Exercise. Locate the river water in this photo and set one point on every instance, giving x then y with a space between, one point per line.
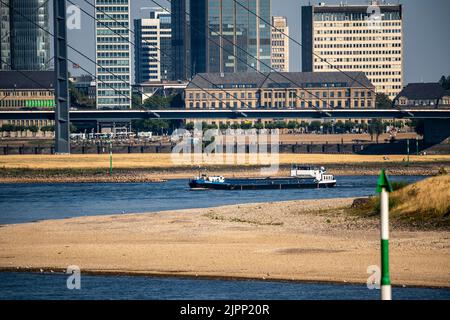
31 202
54 287
21 203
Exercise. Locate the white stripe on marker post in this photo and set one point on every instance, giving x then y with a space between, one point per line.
383 188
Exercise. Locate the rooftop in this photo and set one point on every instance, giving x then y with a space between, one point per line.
422 91
27 80
280 80
354 8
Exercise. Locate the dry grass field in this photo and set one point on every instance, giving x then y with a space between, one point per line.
429 198
142 161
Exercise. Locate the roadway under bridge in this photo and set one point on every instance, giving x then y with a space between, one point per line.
437 121
129 115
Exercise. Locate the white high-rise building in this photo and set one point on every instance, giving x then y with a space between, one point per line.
113 54
153 47
280 44
366 38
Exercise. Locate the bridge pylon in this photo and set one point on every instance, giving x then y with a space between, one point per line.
62 98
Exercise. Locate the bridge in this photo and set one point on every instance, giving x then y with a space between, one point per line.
129 115
437 121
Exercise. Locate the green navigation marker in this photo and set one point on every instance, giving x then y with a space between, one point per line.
383 182
384 187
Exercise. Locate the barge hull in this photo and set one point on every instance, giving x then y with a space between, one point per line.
266 186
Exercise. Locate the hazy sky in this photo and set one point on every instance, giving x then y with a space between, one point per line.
427 37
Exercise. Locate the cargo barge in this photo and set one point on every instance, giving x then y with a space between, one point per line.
302 177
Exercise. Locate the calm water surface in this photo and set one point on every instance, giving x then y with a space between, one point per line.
30 202
53 287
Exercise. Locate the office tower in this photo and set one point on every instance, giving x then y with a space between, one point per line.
367 38
181 39
153 47
113 54
280 44
5 46
25 45
222 36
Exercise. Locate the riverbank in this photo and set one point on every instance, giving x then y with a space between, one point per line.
160 167
311 240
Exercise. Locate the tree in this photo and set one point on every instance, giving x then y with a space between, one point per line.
315 126
21 129
153 125
136 101
176 101
292 125
280 125
270 125
157 102
348 126
79 99
383 101
445 82
73 128
258 126
418 125
375 128
8 128
224 126
189 126
33 129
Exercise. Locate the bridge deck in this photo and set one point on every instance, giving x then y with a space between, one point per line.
127 115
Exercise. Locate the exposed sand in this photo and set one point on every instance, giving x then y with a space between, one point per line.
288 240
155 160
157 167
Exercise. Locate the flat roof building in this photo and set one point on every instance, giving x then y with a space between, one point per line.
27 90
113 54
153 47
220 36
366 38
290 90
280 44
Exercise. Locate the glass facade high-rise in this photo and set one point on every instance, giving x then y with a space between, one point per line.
153 47
25 45
181 39
225 37
113 54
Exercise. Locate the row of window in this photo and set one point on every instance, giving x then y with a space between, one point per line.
281 105
356 24
356 45
353 31
39 123
13 93
279 95
359 53
27 103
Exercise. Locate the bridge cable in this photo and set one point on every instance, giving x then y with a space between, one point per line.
266 75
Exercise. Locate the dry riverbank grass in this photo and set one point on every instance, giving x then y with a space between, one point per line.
424 204
427 199
140 161
311 240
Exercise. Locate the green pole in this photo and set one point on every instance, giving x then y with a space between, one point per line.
384 187
407 149
417 146
110 160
